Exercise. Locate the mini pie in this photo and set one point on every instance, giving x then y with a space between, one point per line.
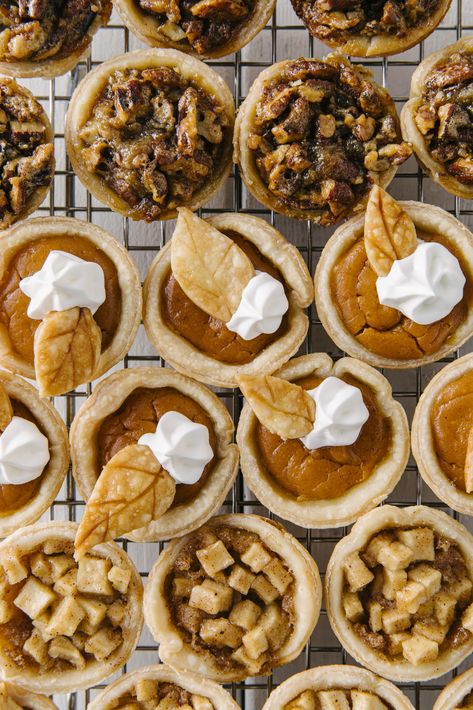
47 39
192 339
437 120
149 131
23 504
205 28
65 625
15 698
399 592
337 688
313 135
347 300
161 686
235 599
333 485
37 348
457 694
365 29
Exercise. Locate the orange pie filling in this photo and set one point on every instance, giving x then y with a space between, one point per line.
148 693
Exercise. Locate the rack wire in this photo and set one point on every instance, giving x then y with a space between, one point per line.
284 37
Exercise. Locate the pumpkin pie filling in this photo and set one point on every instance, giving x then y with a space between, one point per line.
151 693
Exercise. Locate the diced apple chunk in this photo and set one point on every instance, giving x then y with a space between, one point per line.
94 610
60 564
370 555
120 578
264 589
395 620
41 568
333 700
255 642
275 624
116 612
65 618
395 642
467 618
92 576
444 605
362 700
146 690
375 612
461 589
411 597
221 633
430 630
6 611
240 579
278 575
420 541
429 577
14 568
352 606
41 623
305 701
211 597
395 556
215 558
53 546
62 647
393 581
34 598
66 585
256 557
200 703
357 573
37 648
103 643
418 650
253 665
182 587
245 613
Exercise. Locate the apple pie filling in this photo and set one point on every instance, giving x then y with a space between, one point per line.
150 694
337 699
466 703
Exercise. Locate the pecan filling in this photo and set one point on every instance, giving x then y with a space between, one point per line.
336 699
323 134
445 115
35 30
154 138
232 597
148 694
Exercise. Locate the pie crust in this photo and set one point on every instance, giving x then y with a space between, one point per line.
195 684
107 397
57 536
358 499
56 468
429 218
183 355
434 168
89 91
391 517
129 281
454 693
26 699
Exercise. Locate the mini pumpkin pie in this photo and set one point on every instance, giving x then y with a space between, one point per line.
162 438
46 39
70 302
321 442
65 624
237 598
337 688
34 453
457 694
12 697
226 296
395 287
399 592
365 29
313 135
437 118
205 28
151 131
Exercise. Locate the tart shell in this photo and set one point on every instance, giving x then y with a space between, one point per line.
25 698
454 692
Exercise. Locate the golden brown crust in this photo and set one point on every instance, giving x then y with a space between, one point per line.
30 700
454 692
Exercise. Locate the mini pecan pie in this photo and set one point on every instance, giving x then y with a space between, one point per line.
363 28
65 624
399 592
312 137
237 598
190 324
46 39
457 694
324 484
150 131
12 697
205 28
437 119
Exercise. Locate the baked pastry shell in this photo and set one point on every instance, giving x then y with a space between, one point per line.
107 397
455 691
30 700
389 516
56 468
128 277
23 541
91 87
435 169
183 355
344 510
426 217
307 598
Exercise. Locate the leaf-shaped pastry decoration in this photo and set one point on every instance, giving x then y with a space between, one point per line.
390 233
132 490
67 347
6 410
469 463
210 268
281 406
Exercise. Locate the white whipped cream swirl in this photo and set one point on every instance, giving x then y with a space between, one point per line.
424 286
181 446
64 281
24 452
340 413
262 307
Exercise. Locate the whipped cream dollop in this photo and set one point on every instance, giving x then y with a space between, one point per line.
181 446
424 286
340 413
64 281
262 307
24 452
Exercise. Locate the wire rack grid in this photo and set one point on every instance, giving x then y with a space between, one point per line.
284 37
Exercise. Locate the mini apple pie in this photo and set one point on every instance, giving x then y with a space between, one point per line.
12 697
399 592
313 135
395 287
321 443
151 131
458 694
437 118
237 598
70 302
65 624
226 296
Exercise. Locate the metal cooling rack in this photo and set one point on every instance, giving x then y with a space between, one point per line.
284 37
